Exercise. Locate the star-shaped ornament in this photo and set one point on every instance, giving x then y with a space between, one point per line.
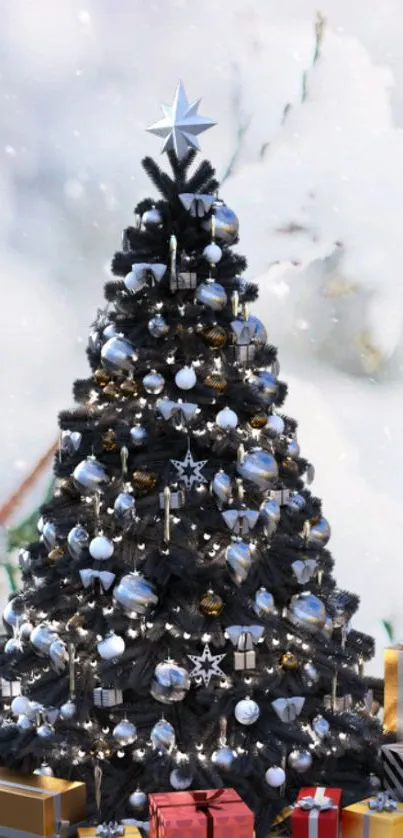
181 124
206 666
189 470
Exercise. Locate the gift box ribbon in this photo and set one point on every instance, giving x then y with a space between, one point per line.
383 802
206 801
315 805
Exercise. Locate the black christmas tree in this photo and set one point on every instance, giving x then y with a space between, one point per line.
178 624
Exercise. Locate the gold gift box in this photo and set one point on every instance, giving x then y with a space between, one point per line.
393 690
91 832
34 805
361 822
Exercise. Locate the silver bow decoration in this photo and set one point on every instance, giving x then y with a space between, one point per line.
110 830
106 577
144 272
168 409
240 520
383 802
288 709
70 441
304 570
244 330
310 803
239 635
197 204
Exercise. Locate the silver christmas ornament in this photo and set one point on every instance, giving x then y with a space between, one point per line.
138 799
163 736
90 475
24 560
300 761
247 711
319 533
112 646
50 714
213 253
109 331
138 436
45 731
239 559
223 758
77 541
179 780
101 548
307 611
270 512
275 425
181 124
13 613
170 682
12 646
24 724
226 419
124 506
185 379
320 726
327 629
158 326
58 655
151 218
222 487
263 603
34 710
68 710
135 594
226 223
310 672
259 467
44 770
153 383
296 502
265 383
42 637
39 525
212 295
118 355
20 705
292 449
49 534
70 442
125 733
275 776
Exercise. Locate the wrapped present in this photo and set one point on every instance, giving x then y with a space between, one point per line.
392 758
36 806
9 689
107 697
375 817
109 830
203 814
317 813
393 691
244 639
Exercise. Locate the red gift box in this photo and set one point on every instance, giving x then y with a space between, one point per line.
317 813
203 814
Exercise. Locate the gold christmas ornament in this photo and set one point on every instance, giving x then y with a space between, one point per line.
111 391
214 336
102 377
144 481
75 622
68 487
216 381
129 387
211 604
55 554
290 466
258 421
109 441
289 661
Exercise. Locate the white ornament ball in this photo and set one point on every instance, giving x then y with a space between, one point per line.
68 710
101 548
275 776
20 705
44 771
185 378
138 799
275 425
226 418
180 781
300 761
212 253
112 646
247 711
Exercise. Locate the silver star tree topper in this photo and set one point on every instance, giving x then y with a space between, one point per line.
181 124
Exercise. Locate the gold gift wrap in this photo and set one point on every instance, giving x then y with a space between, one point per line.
91 832
393 691
32 805
361 822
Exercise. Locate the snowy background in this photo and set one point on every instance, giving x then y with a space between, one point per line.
312 157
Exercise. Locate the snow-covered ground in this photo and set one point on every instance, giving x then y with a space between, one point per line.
318 188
